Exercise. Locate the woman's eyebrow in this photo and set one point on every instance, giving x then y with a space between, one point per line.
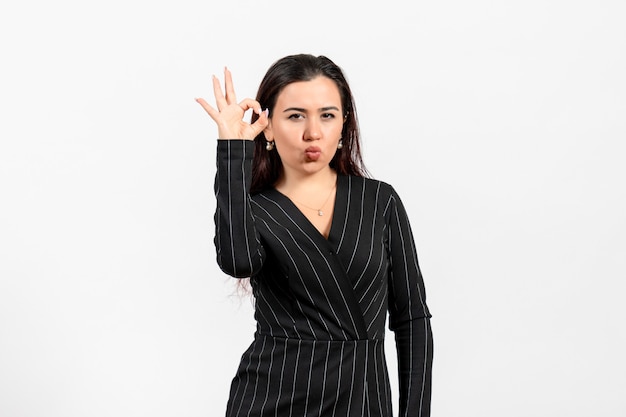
323 109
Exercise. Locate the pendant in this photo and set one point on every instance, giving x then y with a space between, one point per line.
320 213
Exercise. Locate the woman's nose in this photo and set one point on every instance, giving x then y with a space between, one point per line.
313 131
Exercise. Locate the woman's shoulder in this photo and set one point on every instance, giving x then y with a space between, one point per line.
370 186
368 181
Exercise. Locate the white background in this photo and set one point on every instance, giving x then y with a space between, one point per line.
501 124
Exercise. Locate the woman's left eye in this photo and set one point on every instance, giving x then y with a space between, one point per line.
328 116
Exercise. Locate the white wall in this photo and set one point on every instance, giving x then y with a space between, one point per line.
501 124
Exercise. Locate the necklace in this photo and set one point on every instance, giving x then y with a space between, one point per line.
320 212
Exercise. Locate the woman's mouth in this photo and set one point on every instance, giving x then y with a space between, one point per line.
313 153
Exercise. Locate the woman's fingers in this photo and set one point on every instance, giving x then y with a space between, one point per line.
207 107
229 114
231 97
230 121
257 127
220 100
248 103
228 96
261 123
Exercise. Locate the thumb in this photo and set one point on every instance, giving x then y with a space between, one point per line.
261 123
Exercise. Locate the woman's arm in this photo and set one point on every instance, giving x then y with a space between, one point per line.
239 249
409 315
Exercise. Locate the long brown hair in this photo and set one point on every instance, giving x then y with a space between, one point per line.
266 165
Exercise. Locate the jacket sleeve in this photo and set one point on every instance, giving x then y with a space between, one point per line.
237 242
409 316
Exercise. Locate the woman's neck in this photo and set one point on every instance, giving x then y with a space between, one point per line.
295 184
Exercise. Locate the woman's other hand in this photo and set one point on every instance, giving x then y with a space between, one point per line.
229 113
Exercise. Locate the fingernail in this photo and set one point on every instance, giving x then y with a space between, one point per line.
258 111
267 112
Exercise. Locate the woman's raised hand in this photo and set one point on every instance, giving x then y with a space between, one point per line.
229 113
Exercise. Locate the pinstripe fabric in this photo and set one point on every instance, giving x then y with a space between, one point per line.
321 304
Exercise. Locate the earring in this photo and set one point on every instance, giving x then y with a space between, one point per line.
269 145
340 144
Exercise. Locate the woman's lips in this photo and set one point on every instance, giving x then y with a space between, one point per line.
313 153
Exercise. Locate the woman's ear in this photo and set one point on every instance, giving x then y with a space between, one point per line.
267 132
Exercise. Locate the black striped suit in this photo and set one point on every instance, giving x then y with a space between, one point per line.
321 304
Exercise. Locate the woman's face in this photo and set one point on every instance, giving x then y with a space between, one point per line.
306 125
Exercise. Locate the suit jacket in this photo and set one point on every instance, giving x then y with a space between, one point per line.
321 303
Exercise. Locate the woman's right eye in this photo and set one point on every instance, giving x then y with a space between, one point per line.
295 116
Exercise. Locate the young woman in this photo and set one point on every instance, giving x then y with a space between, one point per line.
328 252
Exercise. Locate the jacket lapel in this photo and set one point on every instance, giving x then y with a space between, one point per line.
345 300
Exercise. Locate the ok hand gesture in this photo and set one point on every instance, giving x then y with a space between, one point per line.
229 113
